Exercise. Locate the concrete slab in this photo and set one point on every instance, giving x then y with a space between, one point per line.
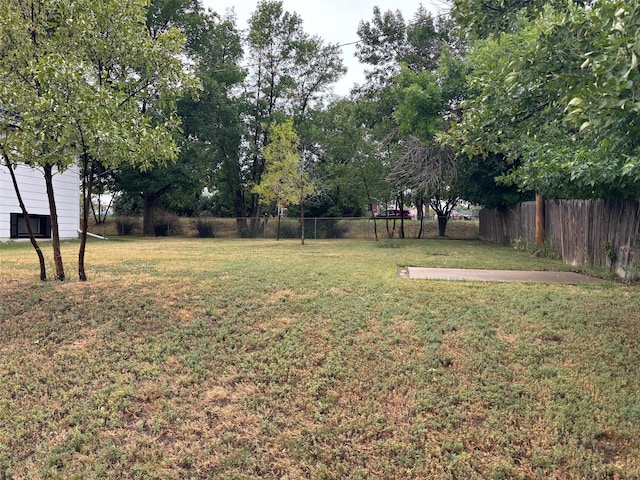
477 275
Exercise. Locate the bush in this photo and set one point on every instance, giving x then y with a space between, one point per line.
205 227
545 250
325 228
127 225
167 223
288 228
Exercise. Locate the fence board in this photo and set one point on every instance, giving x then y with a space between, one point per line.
585 232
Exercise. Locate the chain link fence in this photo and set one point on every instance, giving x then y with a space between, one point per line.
269 227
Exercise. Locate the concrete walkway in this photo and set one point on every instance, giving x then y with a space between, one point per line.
475 275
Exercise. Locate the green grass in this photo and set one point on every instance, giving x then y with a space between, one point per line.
248 359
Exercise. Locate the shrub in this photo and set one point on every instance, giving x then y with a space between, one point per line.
545 250
205 227
167 223
127 225
325 228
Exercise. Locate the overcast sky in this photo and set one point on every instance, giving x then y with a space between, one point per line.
336 21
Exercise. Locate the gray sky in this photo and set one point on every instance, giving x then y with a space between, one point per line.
336 21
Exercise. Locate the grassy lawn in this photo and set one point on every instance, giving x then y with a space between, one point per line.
249 359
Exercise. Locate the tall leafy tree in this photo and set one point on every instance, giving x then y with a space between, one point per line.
75 74
289 71
210 118
427 106
556 98
404 91
352 176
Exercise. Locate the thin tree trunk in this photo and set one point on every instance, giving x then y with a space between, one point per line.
302 214
87 185
55 232
421 210
279 217
401 208
25 214
370 200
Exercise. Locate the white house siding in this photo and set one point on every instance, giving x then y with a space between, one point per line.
66 187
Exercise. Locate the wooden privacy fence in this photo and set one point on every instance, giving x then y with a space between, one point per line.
585 232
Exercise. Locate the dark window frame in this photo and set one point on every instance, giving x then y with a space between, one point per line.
42 224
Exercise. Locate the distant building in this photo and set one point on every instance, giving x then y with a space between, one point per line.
34 194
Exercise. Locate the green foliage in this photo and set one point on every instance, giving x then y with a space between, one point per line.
284 178
84 82
544 250
290 73
127 205
414 88
326 228
486 18
87 92
555 96
388 41
477 182
352 173
210 136
609 252
422 104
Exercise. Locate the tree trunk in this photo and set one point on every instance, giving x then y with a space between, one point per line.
87 186
401 208
420 208
302 215
391 233
149 210
25 214
55 232
148 214
240 212
278 232
442 224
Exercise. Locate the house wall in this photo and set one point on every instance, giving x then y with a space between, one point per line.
34 194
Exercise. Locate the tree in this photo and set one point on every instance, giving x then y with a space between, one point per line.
213 122
402 88
486 18
431 171
388 41
285 180
428 103
352 177
209 117
556 98
25 214
289 71
75 73
604 105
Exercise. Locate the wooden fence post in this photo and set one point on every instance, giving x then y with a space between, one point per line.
539 219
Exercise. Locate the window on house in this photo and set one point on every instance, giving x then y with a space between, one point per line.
40 224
